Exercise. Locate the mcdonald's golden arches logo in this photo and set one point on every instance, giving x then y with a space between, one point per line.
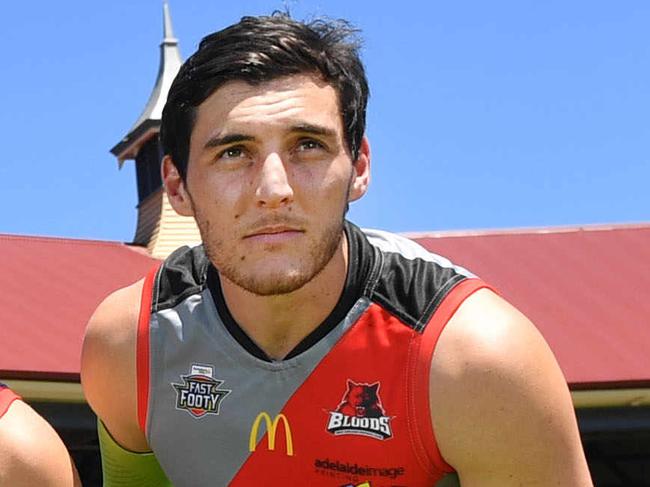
271 429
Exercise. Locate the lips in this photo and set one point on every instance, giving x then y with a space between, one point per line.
272 230
274 234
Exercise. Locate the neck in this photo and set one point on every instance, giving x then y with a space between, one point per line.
277 324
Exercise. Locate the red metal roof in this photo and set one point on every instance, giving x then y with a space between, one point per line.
587 290
49 287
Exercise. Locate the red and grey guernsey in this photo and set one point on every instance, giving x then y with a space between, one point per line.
349 406
7 396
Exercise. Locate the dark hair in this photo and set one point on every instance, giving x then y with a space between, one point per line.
259 49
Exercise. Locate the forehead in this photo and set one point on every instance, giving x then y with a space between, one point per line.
280 102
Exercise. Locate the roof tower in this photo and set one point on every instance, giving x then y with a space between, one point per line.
159 228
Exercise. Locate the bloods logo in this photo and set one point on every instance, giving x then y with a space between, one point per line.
360 413
199 394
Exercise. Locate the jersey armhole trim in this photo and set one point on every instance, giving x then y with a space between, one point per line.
142 348
421 374
7 397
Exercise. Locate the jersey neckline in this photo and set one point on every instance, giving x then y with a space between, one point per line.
360 262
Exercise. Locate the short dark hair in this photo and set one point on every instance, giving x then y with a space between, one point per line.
259 49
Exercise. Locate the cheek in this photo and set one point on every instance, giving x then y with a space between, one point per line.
329 183
217 193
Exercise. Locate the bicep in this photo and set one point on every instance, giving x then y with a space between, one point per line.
108 366
502 410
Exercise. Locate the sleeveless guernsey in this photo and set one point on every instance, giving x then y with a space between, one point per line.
348 407
7 396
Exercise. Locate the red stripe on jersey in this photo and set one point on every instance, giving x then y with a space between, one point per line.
421 368
334 440
142 348
7 396
392 442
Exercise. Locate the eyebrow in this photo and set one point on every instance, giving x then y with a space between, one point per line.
313 129
308 128
217 141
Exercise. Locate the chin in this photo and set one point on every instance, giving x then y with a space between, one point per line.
275 273
273 284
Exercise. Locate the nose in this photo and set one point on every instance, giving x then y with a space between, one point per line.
273 188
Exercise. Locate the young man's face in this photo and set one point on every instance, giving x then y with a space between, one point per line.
268 181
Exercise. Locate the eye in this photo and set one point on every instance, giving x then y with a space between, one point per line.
235 152
308 145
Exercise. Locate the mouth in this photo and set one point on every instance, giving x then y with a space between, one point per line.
274 234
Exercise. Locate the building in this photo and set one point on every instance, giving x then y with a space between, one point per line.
589 299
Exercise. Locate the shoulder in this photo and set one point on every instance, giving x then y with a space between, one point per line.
183 273
486 334
410 281
408 249
114 321
31 453
108 363
496 387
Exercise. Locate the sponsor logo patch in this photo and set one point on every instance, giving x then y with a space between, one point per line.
200 392
271 429
360 413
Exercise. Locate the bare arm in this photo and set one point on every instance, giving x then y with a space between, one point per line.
108 366
500 405
31 452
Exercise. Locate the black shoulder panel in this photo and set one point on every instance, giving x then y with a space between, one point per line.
403 277
412 289
182 274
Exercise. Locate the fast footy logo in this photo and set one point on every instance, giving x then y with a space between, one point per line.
360 413
200 392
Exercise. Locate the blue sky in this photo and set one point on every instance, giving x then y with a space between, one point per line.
494 114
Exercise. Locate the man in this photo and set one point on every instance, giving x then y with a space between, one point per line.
292 348
31 453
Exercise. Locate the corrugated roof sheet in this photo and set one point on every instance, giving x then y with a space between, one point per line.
587 290
49 287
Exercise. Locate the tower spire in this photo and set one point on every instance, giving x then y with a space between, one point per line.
159 228
148 122
168 30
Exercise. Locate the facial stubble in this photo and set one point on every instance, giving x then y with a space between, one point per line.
320 251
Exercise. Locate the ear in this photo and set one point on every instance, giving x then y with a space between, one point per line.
361 172
374 387
350 384
177 194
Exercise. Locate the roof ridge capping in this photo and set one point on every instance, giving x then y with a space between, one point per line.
49 239
595 227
